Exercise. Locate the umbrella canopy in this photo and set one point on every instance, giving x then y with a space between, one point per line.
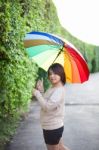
45 49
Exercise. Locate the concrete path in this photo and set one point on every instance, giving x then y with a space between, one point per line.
81 120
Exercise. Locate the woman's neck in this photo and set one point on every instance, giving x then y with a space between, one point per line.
57 84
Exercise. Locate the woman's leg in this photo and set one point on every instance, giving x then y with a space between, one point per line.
53 147
62 146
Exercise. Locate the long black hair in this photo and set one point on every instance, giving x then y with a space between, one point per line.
59 70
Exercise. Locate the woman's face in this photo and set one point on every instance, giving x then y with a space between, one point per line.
54 78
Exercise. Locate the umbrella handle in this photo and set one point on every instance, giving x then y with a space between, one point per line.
58 55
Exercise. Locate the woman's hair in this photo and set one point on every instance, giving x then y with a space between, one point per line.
59 70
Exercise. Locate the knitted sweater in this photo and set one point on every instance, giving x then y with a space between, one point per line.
52 107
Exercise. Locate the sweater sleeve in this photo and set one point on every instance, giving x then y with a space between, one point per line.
53 102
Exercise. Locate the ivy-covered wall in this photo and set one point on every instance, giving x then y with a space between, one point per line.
17 73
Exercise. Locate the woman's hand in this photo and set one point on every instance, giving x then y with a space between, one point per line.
35 91
39 85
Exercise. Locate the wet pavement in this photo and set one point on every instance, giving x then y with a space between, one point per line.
81 120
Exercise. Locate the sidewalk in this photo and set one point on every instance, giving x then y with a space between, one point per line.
81 121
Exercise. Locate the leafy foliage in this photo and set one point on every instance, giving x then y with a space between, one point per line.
7 127
16 71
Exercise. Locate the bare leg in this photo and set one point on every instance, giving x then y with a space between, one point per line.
62 146
53 147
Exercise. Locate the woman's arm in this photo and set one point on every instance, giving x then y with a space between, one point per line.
52 103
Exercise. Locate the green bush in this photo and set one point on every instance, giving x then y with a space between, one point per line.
17 72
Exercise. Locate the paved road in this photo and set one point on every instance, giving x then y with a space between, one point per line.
81 120
86 93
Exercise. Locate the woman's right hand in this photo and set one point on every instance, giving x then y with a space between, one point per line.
39 85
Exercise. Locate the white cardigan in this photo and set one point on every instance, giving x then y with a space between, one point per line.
52 107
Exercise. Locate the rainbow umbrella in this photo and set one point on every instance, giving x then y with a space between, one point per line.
45 49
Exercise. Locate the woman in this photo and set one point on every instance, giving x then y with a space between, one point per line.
52 107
